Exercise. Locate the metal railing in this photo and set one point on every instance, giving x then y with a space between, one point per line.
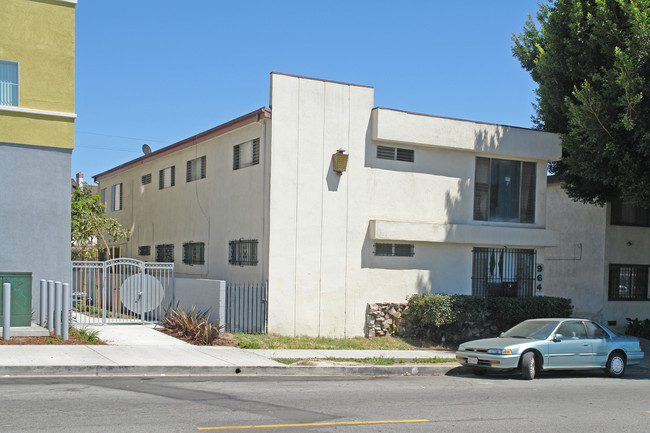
247 308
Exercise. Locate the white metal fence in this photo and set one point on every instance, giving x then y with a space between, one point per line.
121 291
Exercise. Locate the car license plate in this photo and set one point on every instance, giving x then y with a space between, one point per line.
472 360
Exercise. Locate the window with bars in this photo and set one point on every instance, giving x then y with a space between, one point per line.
503 272
395 153
628 283
246 154
195 169
165 253
146 179
194 253
166 177
629 215
243 252
116 197
144 250
394 250
9 83
504 190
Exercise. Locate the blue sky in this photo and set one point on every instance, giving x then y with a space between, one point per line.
159 71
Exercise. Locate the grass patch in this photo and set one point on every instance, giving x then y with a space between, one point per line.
274 341
371 361
82 334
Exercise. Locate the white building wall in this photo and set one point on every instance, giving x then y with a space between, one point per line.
322 227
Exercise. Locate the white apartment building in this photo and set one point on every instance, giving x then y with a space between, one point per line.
425 204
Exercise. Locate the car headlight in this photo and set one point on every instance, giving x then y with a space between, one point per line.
461 348
499 351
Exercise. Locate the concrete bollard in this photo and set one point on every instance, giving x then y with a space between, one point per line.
58 299
43 314
6 311
50 305
67 305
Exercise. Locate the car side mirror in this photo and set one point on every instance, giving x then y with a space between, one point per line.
558 337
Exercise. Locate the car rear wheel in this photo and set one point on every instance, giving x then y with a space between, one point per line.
528 365
615 365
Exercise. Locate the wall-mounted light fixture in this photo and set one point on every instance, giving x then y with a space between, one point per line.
339 162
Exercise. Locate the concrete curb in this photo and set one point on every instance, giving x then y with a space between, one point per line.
118 370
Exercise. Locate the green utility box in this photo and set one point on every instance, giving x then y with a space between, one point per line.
21 297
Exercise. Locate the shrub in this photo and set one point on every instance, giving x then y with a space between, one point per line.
193 326
459 316
638 328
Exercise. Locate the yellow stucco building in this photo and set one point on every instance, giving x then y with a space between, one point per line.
37 117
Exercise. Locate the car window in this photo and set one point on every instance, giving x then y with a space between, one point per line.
533 329
595 331
572 329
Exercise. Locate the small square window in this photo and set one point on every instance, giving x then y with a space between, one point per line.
243 252
166 177
194 253
165 253
195 169
146 179
246 154
144 250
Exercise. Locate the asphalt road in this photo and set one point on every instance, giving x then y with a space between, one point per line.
559 402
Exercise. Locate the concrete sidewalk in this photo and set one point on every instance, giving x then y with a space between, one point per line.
142 350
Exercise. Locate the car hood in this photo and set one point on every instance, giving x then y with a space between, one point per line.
495 343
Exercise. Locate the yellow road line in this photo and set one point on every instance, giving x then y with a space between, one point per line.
313 424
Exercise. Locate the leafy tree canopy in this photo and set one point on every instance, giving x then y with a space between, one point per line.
89 223
590 61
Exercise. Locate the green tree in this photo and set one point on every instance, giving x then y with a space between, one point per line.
90 223
590 61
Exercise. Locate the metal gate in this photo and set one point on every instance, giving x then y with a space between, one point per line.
121 291
246 308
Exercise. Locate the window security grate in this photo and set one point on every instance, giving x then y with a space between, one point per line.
165 253
144 250
243 252
628 283
503 272
146 179
194 253
395 250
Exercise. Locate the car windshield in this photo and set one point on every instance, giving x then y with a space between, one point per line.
533 329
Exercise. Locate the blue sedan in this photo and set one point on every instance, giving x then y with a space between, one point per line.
552 344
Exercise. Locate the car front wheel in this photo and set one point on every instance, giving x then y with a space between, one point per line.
528 366
615 365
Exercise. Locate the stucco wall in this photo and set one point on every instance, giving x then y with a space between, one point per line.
227 205
322 268
35 213
576 268
39 35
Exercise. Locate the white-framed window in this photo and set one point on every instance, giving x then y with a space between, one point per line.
395 153
504 190
166 177
195 169
394 250
246 154
116 197
9 90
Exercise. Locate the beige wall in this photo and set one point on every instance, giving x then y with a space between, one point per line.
227 205
578 268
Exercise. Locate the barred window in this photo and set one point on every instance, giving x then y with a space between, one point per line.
194 253
146 179
503 272
395 250
243 252
165 253
628 283
166 177
195 169
246 154
144 250
395 153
